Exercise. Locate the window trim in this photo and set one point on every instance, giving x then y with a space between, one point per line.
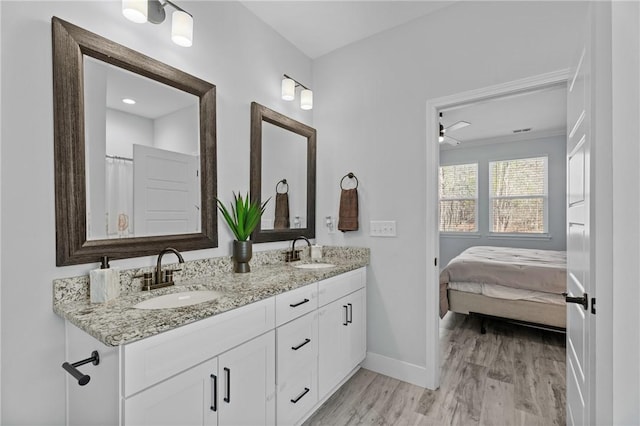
476 229
545 199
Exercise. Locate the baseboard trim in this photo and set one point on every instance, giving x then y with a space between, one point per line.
401 370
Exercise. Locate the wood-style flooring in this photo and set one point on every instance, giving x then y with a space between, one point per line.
512 375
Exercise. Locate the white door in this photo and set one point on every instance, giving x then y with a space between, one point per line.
187 399
580 285
247 383
166 192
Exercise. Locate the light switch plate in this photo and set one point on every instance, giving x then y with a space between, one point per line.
382 228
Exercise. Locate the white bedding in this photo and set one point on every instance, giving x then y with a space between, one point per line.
509 293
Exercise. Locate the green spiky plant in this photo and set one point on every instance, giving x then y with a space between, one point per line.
244 215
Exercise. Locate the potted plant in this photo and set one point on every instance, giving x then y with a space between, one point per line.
242 220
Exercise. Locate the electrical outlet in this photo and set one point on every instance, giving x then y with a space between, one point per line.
382 228
330 224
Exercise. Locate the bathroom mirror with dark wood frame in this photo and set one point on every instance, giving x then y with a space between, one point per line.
259 145
71 45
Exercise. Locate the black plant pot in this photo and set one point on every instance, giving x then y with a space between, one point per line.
242 253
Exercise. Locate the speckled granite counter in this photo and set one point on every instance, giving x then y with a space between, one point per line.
117 322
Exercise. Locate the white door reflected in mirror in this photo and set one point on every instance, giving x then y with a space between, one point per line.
142 155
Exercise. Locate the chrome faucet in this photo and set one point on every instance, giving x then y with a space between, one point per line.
166 279
293 255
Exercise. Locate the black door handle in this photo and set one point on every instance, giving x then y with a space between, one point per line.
214 393
295 348
295 305
350 320
227 398
584 300
346 315
306 390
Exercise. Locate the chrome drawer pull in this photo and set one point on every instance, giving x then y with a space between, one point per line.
306 390
295 348
295 305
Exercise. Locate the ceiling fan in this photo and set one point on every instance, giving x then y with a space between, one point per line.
443 137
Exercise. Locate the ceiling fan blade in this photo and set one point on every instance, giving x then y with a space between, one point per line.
457 126
450 141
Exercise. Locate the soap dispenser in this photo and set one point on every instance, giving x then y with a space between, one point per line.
104 283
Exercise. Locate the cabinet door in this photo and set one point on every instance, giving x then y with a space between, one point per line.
357 306
334 347
187 399
247 383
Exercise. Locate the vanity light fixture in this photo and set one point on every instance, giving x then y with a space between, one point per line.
141 11
289 92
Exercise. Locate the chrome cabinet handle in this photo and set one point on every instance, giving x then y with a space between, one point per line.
295 348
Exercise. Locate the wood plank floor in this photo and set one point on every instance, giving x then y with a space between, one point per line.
512 375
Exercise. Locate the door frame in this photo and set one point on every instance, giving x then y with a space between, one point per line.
432 241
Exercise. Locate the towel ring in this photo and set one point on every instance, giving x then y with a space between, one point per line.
284 182
350 176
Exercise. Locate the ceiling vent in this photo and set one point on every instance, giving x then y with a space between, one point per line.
528 129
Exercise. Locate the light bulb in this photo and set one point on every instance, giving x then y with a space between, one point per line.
288 89
135 10
182 28
306 99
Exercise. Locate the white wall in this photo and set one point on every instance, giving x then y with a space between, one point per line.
370 103
626 212
123 130
555 149
232 49
178 131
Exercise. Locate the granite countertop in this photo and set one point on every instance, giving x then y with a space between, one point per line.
117 322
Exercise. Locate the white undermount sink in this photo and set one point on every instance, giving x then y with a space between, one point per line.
177 300
314 265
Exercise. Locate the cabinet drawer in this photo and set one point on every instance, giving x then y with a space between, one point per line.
297 396
156 358
336 287
297 345
295 303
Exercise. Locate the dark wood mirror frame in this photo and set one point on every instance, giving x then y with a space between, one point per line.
70 43
259 114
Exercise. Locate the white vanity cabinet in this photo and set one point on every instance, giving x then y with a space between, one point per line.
235 388
270 362
342 328
175 378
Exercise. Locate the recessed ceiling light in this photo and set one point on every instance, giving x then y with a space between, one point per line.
129 101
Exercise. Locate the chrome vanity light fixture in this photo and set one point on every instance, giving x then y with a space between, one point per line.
141 11
289 92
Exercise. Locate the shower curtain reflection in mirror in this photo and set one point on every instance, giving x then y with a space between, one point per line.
119 200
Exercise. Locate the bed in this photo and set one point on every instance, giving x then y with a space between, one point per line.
517 284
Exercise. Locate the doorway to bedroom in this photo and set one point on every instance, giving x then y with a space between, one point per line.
501 195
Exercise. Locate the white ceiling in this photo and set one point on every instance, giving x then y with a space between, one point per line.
544 111
319 27
153 99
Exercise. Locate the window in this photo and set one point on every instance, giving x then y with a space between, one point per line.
518 195
458 190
